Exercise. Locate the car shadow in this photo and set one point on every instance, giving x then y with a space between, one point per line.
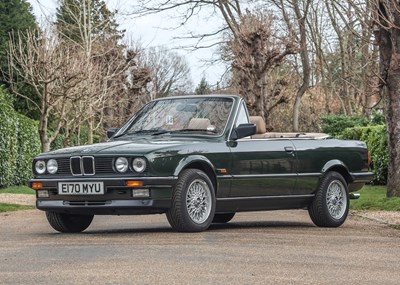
228 227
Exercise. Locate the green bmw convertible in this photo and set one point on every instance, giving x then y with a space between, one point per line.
199 160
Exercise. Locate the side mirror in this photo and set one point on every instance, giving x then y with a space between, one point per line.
111 132
243 130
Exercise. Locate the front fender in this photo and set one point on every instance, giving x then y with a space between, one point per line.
192 159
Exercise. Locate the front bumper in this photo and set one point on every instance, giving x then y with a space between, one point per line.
117 199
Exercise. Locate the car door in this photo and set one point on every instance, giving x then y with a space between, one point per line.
263 167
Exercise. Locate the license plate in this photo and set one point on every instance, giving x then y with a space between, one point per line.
80 188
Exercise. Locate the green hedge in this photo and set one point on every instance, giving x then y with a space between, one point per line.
376 139
19 143
336 124
8 141
28 147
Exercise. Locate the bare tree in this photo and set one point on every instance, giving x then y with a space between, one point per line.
255 49
250 39
54 71
170 73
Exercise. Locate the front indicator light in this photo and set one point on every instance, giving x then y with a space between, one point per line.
37 185
134 183
140 193
42 194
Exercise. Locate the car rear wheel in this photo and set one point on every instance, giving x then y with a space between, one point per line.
330 206
223 218
193 202
68 223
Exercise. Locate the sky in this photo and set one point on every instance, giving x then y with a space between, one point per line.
155 30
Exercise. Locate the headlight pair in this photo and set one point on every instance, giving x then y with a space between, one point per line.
138 164
51 166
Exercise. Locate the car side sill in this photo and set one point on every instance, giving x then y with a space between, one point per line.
260 203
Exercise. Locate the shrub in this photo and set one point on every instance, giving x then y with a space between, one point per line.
336 124
28 147
8 141
376 139
19 143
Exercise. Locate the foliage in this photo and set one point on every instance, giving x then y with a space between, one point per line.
376 139
19 143
61 141
336 124
28 147
15 15
374 198
8 141
203 87
73 24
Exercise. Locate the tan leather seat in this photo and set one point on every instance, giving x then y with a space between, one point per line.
260 125
199 123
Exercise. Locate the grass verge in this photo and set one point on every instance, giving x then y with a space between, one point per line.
12 207
374 198
18 190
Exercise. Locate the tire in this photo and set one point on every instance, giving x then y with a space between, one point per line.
193 202
68 223
330 206
223 218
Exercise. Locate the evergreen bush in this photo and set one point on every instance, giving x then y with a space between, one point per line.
376 139
8 141
19 143
336 124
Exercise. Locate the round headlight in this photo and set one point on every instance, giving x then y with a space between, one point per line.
139 164
121 164
40 167
52 166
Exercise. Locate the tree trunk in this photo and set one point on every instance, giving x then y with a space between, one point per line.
393 126
388 39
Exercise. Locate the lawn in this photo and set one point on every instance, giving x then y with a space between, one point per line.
11 207
374 198
18 190
4 207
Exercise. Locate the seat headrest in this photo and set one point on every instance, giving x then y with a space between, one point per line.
260 124
199 123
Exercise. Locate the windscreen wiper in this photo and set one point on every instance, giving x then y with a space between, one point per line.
150 131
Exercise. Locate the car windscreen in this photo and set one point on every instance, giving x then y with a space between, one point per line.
183 115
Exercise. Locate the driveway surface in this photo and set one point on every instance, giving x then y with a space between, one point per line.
280 247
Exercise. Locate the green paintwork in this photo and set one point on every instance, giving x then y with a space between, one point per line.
286 167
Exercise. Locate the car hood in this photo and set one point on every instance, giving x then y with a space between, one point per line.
139 146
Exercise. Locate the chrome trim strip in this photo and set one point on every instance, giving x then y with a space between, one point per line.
316 174
172 178
265 197
249 176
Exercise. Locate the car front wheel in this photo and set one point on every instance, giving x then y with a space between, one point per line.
68 223
193 202
331 202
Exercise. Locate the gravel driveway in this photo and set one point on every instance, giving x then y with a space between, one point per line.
277 247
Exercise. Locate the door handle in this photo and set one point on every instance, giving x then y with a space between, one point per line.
289 149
